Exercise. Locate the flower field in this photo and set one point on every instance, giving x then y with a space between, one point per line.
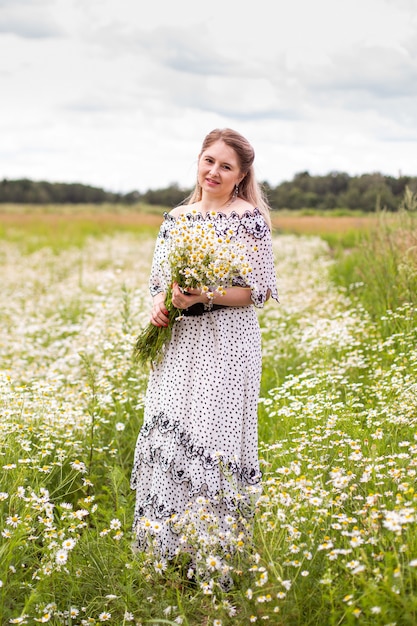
335 538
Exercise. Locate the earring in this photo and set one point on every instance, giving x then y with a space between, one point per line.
236 191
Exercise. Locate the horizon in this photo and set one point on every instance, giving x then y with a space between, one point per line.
182 188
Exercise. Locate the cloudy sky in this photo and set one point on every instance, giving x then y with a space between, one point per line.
120 93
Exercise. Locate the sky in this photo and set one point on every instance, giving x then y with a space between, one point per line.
119 94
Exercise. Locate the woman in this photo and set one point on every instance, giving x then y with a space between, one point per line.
196 471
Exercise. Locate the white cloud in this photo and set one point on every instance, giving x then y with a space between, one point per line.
28 19
110 94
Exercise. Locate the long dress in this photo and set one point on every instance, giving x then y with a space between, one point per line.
196 470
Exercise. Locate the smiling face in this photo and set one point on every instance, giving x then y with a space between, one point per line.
219 170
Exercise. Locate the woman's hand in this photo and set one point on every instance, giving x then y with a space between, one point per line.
159 313
183 299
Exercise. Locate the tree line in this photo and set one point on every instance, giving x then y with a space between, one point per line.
338 190
335 190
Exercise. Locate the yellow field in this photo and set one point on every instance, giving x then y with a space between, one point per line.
57 219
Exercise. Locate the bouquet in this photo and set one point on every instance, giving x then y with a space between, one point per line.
197 258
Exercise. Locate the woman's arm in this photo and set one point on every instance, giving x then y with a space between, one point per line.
234 296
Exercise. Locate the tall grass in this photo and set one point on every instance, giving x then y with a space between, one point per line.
380 271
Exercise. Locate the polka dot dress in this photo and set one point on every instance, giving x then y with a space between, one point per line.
199 436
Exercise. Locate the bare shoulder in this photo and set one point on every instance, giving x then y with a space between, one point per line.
184 208
241 207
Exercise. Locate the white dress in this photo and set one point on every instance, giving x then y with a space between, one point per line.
198 446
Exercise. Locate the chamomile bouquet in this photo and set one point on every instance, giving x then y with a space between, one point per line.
197 258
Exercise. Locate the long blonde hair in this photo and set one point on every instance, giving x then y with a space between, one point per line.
249 188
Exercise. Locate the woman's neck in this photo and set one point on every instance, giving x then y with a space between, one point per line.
210 204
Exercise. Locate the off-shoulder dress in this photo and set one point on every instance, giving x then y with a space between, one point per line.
198 445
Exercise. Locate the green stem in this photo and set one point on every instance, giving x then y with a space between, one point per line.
151 341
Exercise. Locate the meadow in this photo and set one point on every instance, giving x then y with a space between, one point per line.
335 537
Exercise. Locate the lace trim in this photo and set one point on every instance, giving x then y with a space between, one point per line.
154 508
159 509
251 221
155 289
193 450
166 532
216 214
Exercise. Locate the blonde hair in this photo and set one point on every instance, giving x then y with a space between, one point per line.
249 188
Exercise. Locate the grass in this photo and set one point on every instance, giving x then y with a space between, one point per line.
71 210
317 224
380 271
335 533
60 227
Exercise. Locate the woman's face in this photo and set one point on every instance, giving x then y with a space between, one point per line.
219 169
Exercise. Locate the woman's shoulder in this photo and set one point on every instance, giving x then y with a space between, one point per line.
183 209
241 207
